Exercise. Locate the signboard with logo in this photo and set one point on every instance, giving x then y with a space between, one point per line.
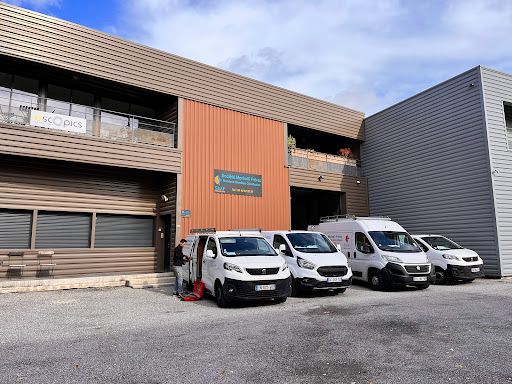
185 213
56 121
236 183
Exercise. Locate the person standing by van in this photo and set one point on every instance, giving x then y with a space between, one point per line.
178 261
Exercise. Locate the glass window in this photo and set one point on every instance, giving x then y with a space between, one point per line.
212 246
25 85
278 240
423 247
245 246
115 105
15 229
139 110
124 231
362 243
63 230
59 93
311 243
82 98
394 241
440 243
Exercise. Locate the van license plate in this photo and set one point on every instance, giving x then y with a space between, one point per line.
475 269
268 287
334 279
419 278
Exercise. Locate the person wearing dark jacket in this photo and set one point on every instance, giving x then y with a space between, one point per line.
177 264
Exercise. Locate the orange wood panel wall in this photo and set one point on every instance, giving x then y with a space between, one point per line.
217 138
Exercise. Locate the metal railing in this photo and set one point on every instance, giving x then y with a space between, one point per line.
17 107
304 158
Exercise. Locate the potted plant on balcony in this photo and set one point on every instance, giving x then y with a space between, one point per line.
345 154
292 144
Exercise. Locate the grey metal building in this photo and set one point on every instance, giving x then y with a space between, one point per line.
440 162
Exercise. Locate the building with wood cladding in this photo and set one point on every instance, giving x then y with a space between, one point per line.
111 151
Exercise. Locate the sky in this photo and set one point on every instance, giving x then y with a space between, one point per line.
364 55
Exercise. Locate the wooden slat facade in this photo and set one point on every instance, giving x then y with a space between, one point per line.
49 185
53 144
32 36
357 193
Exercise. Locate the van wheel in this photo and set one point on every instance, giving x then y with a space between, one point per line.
441 277
375 279
423 286
219 296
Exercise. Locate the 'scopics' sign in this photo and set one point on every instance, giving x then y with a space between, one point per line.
56 121
236 183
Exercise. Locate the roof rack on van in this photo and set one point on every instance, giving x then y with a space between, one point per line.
326 219
202 230
246 229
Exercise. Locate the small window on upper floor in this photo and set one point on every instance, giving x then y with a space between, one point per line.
508 122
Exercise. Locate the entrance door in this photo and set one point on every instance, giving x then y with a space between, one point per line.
308 205
169 241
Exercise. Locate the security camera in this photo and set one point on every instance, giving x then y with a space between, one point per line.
320 177
164 198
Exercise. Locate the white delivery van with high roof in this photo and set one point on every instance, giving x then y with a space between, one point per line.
314 261
450 260
236 265
379 251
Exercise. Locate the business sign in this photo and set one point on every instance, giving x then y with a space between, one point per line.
236 183
56 121
185 213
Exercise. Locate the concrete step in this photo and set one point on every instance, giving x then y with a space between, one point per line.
154 285
150 282
75 282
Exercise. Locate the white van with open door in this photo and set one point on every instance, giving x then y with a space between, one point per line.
236 265
314 261
379 251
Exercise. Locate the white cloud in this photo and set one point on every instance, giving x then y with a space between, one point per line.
364 55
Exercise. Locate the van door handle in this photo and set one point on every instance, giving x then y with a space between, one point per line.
355 256
348 254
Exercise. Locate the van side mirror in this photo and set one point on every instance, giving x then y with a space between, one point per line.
284 251
209 253
366 248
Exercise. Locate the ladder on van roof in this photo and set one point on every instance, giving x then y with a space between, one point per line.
327 219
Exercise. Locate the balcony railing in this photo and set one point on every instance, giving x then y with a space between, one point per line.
324 162
17 107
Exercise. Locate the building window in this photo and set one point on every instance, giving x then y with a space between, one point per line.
124 231
508 122
63 230
15 229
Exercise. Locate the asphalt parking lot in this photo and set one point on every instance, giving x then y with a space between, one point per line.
450 334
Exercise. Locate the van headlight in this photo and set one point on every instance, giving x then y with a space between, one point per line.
450 257
393 259
303 263
284 267
232 267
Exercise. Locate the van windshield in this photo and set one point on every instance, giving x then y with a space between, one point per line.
394 241
311 243
245 246
440 243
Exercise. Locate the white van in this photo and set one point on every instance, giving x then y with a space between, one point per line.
314 261
379 251
236 265
450 260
